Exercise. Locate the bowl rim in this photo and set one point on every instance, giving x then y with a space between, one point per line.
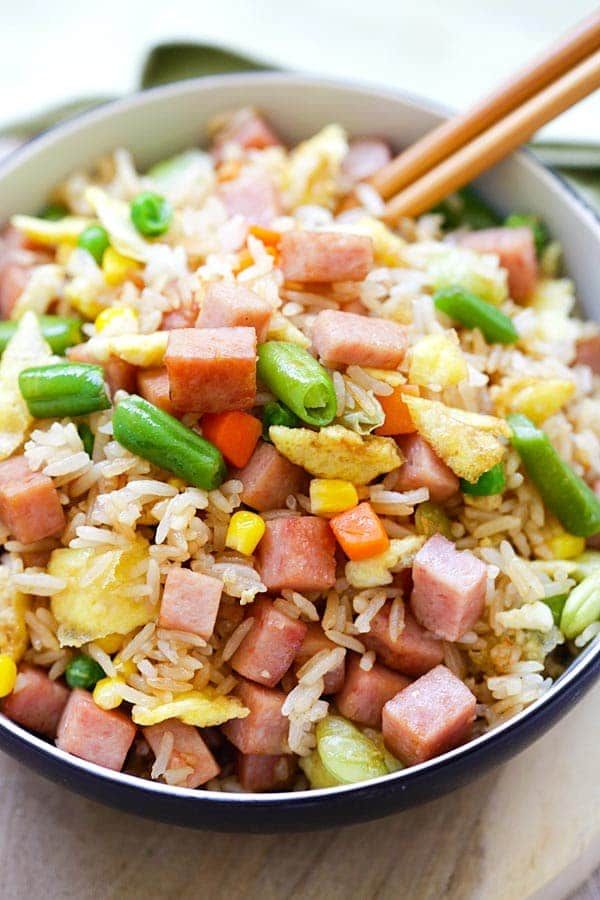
588 661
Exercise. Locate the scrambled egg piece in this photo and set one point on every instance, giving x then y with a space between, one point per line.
436 359
448 265
204 709
554 294
25 349
376 571
536 399
44 286
143 350
387 246
114 215
48 233
103 606
467 442
85 285
313 167
281 329
336 452
13 606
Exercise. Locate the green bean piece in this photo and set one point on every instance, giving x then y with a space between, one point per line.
156 436
346 753
582 607
556 605
59 331
298 380
541 237
83 672
87 438
431 519
491 482
565 494
276 413
315 771
95 240
587 564
473 312
466 208
151 214
64 389
53 212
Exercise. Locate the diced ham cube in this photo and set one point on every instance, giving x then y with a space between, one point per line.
423 468
246 128
227 304
429 717
269 478
189 751
153 386
515 248
212 369
365 693
413 653
269 648
313 256
264 772
13 281
448 588
190 602
588 353
97 735
37 702
297 552
364 157
184 317
119 374
29 503
253 196
265 730
315 640
342 338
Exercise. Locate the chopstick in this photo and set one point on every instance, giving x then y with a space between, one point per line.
497 142
448 137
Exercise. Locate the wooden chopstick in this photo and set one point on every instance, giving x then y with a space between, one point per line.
444 140
497 142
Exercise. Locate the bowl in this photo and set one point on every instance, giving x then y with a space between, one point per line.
156 124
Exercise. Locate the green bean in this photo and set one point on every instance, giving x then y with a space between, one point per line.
156 436
473 312
431 519
83 672
491 482
587 564
59 331
53 212
541 237
565 494
276 413
64 389
315 771
465 208
556 605
298 380
582 607
346 753
87 437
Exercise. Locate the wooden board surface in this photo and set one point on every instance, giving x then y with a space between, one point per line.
530 829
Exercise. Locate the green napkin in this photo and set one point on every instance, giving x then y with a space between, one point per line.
578 162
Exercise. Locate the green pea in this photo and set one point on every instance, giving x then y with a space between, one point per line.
582 606
276 413
83 672
151 214
95 240
53 212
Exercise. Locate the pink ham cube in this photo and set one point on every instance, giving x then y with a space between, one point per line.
189 751
269 478
37 702
269 648
264 772
226 304
313 256
588 353
315 641
365 692
343 338
449 588
429 717
97 735
190 602
413 653
30 507
265 730
253 196
423 468
515 248
364 157
297 552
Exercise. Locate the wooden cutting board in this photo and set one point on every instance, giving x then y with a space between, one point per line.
530 829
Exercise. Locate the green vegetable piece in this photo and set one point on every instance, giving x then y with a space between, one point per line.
83 672
431 519
315 771
565 494
541 236
298 380
53 212
59 331
87 437
168 173
465 208
491 482
95 240
156 436
556 605
151 214
276 413
582 606
587 564
473 312
348 754
64 389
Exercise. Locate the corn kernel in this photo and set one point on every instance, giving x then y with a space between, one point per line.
566 546
117 320
87 305
541 400
108 693
112 643
8 674
244 532
116 267
437 360
63 252
329 496
125 667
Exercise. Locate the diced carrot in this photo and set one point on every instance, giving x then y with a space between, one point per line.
229 170
360 532
244 261
234 433
397 416
268 236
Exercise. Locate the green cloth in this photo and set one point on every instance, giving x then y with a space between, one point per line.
579 163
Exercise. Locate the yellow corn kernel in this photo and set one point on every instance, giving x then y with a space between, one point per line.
437 360
125 667
108 693
63 252
88 306
116 267
329 496
244 532
112 643
117 320
543 399
8 674
566 546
